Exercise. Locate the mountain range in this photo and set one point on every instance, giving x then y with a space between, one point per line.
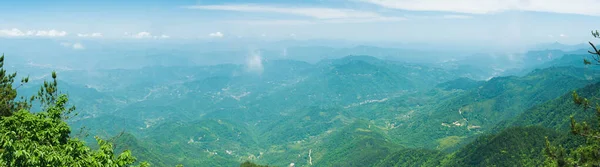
347 111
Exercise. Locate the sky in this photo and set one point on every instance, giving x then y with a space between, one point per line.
493 22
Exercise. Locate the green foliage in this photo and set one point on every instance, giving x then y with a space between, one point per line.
584 154
127 141
250 164
195 143
206 126
587 153
358 144
516 145
460 83
8 94
412 157
480 109
555 114
43 138
355 111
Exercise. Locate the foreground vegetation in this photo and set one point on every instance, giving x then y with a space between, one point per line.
43 138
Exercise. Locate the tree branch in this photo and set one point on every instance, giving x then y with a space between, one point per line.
587 135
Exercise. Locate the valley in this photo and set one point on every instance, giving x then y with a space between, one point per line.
311 83
351 111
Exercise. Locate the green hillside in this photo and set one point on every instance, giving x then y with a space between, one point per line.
352 111
309 83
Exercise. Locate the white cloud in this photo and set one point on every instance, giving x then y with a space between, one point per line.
254 62
142 34
308 22
583 7
14 32
50 33
312 12
271 22
146 35
11 32
92 35
76 46
456 17
365 20
445 16
320 13
559 35
216 34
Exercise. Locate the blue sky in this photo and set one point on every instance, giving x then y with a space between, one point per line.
497 22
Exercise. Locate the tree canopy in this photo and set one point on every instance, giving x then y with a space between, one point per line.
43 138
586 154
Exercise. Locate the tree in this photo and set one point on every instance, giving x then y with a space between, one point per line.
589 153
42 138
8 94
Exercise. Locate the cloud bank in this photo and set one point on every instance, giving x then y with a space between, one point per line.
146 35
14 32
216 34
582 7
334 15
92 35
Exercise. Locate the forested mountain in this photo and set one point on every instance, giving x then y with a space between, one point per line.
310 83
352 111
348 111
521 140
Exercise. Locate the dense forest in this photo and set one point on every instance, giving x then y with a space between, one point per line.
311 83
353 111
538 109
43 138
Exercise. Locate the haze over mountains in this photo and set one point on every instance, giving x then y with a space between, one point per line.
314 105
299 83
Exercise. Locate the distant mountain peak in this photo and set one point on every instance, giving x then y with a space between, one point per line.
363 58
560 46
